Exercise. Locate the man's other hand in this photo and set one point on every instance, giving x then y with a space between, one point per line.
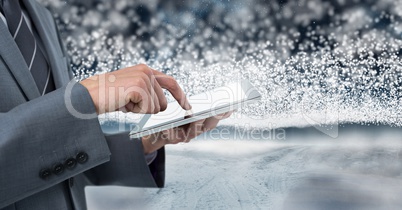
179 134
135 89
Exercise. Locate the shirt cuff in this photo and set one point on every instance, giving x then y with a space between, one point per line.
149 158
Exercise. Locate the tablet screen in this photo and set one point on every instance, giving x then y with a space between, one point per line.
204 105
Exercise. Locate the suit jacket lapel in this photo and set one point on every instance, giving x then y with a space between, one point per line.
45 26
12 56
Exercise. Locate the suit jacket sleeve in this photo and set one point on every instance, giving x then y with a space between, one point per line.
38 137
127 165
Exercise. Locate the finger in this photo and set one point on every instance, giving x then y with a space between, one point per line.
155 89
174 135
127 108
212 122
152 105
194 129
140 101
224 115
160 96
155 101
170 84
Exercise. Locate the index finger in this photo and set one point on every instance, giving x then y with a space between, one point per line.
170 84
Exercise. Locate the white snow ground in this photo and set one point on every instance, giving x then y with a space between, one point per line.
361 169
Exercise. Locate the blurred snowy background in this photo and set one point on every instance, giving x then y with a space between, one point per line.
321 65
311 57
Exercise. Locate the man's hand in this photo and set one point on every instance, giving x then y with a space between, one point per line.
183 133
135 89
138 89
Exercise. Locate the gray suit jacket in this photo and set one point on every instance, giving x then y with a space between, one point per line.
48 156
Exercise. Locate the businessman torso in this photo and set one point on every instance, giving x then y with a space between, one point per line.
35 139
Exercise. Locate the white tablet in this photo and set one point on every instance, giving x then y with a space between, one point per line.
204 105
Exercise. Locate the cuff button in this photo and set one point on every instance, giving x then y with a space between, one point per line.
82 157
58 169
45 174
70 163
